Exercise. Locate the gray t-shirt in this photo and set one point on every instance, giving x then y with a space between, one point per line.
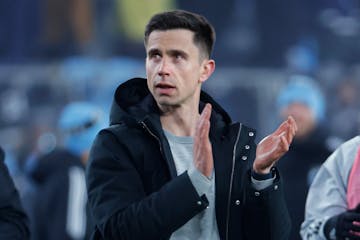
203 226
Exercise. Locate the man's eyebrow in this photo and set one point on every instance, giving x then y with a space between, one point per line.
153 51
174 52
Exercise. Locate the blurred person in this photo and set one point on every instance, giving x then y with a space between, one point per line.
346 109
333 202
68 27
172 165
13 219
303 99
59 208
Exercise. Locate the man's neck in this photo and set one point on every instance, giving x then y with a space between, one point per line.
180 121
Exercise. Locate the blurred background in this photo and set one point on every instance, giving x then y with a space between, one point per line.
269 54
53 52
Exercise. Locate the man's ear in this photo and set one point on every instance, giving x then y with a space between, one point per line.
207 68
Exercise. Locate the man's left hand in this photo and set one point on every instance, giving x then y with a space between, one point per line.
274 146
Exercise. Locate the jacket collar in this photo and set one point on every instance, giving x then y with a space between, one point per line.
133 102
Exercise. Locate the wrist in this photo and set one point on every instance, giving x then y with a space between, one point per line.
261 176
259 170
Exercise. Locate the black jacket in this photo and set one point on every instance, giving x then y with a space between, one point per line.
135 193
13 220
298 168
58 204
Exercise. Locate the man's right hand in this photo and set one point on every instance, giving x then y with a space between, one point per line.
203 158
345 225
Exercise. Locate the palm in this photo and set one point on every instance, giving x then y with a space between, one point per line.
274 146
203 159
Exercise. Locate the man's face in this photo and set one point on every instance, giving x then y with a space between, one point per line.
174 68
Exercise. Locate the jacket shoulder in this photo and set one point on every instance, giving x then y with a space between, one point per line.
114 137
248 130
122 129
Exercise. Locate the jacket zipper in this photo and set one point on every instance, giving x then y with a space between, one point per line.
172 168
231 184
152 134
231 177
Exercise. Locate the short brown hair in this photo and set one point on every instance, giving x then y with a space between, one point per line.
204 33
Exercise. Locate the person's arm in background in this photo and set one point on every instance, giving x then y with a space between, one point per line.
13 220
326 213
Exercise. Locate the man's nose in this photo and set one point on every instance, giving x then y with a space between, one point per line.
164 67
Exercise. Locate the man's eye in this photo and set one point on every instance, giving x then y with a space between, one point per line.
179 56
156 56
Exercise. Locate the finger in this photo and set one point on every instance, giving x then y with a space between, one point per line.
205 120
206 112
290 135
352 221
202 128
293 125
282 147
204 131
292 121
346 225
283 126
202 147
291 130
284 143
294 130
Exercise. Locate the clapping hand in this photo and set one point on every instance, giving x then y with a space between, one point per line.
203 159
274 146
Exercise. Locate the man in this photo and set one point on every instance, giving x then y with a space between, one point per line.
162 170
333 204
13 220
59 205
302 98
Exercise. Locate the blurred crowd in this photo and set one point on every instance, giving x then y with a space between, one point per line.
297 57
251 33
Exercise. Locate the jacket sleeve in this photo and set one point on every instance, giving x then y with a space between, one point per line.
13 220
118 202
266 215
327 193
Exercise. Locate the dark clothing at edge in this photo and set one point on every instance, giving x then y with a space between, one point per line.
13 220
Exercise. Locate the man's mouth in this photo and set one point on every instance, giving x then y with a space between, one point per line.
164 88
164 85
